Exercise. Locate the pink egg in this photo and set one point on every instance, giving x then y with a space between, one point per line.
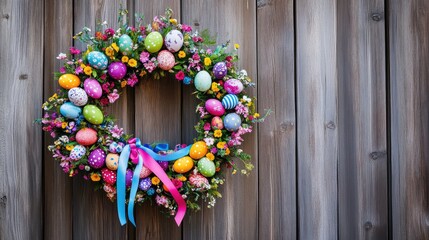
93 88
166 60
117 70
86 136
214 107
97 158
145 172
108 175
217 123
233 86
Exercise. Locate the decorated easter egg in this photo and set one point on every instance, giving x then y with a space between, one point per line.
69 81
93 114
145 184
108 176
233 86
69 110
198 181
198 150
97 158
125 44
128 177
174 40
78 96
97 60
115 147
232 121
166 60
217 123
86 136
77 152
220 70
145 172
112 160
93 88
206 167
203 81
117 70
229 101
153 42
183 164
214 107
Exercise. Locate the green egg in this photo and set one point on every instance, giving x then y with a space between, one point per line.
206 167
125 44
153 42
93 114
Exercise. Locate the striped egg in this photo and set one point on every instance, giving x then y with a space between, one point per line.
77 152
229 101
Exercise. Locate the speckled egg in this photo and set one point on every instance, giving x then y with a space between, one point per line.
112 160
125 44
203 81
96 158
93 88
198 150
97 60
166 60
115 147
128 178
145 172
93 114
233 86
117 70
69 81
86 136
69 110
108 176
232 122
214 107
153 42
206 167
173 40
183 164
217 123
78 96
229 101
145 184
199 181
219 70
77 152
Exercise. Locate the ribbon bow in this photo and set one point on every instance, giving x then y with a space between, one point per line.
140 155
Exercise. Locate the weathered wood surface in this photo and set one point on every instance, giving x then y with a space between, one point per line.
362 163
409 125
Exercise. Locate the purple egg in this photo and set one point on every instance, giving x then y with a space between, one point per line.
93 88
220 70
145 184
128 177
233 86
163 164
214 107
96 158
117 70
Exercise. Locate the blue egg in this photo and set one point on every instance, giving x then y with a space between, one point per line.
69 110
203 81
97 60
229 101
232 122
125 44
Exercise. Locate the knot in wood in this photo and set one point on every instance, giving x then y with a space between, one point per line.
368 225
5 16
286 126
331 125
377 17
23 76
3 201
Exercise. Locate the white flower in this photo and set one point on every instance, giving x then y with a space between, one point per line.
246 99
61 56
104 23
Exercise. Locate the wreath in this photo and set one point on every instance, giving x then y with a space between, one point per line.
89 143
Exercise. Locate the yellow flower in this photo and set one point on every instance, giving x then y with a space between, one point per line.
173 21
215 87
207 61
182 54
256 115
218 95
123 83
210 156
124 59
109 51
114 46
88 70
182 178
63 125
82 65
55 96
220 145
236 46
155 180
234 171
217 133
132 62
95 177
69 147
227 151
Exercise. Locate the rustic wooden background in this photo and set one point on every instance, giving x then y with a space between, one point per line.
345 155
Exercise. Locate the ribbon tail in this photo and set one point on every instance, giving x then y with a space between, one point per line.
120 184
134 187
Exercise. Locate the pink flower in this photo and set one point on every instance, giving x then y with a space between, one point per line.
242 110
213 150
151 65
113 96
161 200
109 32
196 57
186 28
180 75
177 183
144 57
197 39
133 80
106 87
207 127
78 70
74 50
202 111
61 56
62 70
104 102
116 131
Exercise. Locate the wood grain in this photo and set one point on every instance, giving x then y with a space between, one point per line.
21 93
317 117
409 97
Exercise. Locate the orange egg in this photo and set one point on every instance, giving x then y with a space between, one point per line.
183 164
198 150
69 81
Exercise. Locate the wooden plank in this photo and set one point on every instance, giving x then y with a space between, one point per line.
409 95
235 216
277 135
157 119
21 58
58 186
317 118
94 216
362 175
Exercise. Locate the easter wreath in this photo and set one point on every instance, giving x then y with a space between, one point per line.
89 143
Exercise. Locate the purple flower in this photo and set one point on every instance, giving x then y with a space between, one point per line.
78 70
186 28
207 127
144 57
150 65
242 110
62 70
133 80
116 131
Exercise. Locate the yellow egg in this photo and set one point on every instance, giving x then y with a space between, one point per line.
183 164
112 160
69 81
198 150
